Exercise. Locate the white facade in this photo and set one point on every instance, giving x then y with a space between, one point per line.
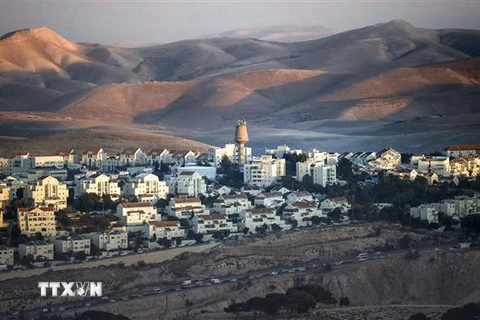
47 191
331 204
258 217
6 256
72 244
439 165
183 208
426 212
216 154
37 220
188 183
136 213
269 199
132 157
230 204
263 171
48 162
93 157
163 229
147 187
109 241
37 250
212 223
299 196
99 184
302 212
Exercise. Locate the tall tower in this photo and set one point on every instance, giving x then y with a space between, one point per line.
241 138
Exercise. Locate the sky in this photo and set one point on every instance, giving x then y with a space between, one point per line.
153 21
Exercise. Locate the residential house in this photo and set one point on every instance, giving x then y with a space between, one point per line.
6 256
269 199
73 244
212 223
147 187
263 171
31 221
163 229
426 212
462 150
68 154
135 214
38 250
230 204
5 196
387 159
331 204
93 157
439 165
251 190
185 207
302 212
99 184
259 217
109 241
188 183
129 157
404 173
299 196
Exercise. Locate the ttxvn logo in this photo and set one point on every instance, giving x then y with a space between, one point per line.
71 289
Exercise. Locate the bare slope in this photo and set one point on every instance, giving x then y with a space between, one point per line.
279 33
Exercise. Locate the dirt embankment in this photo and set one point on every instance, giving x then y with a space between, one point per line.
379 282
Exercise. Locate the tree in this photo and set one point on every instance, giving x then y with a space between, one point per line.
419 316
198 237
276 227
245 230
335 214
39 236
225 164
344 301
405 242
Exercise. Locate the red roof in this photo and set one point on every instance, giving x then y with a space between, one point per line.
163 224
462 147
136 204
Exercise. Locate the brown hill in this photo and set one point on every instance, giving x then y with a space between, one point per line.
320 91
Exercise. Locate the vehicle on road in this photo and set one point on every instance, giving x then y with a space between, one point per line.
186 282
302 268
274 273
339 263
215 280
157 289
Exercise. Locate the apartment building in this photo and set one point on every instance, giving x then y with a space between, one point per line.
99 184
109 241
263 171
47 191
147 187
40 219
38 250
185 207
188 183
73 244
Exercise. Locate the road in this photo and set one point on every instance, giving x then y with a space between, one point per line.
244 278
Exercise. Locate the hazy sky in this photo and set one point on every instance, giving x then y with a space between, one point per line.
167 21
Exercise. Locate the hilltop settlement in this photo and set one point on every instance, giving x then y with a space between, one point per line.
78 205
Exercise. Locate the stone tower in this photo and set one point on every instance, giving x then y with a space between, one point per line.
241 138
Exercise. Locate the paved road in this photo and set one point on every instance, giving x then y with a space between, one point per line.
317 264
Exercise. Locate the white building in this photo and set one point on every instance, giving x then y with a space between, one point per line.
36 250
331 204
269 199
99 184
6 256
439 165
216 154
109 241
263 171
388 158
132 157
426 212
40 219
93 157
188 183
203 171
48 162
183 208
163 229
299 196
47 191
73 244
134 214
147 187
212 223
462 150
302 212
5 196
230 204
258 217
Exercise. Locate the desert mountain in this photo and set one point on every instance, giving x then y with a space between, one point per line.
360 87
279 33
